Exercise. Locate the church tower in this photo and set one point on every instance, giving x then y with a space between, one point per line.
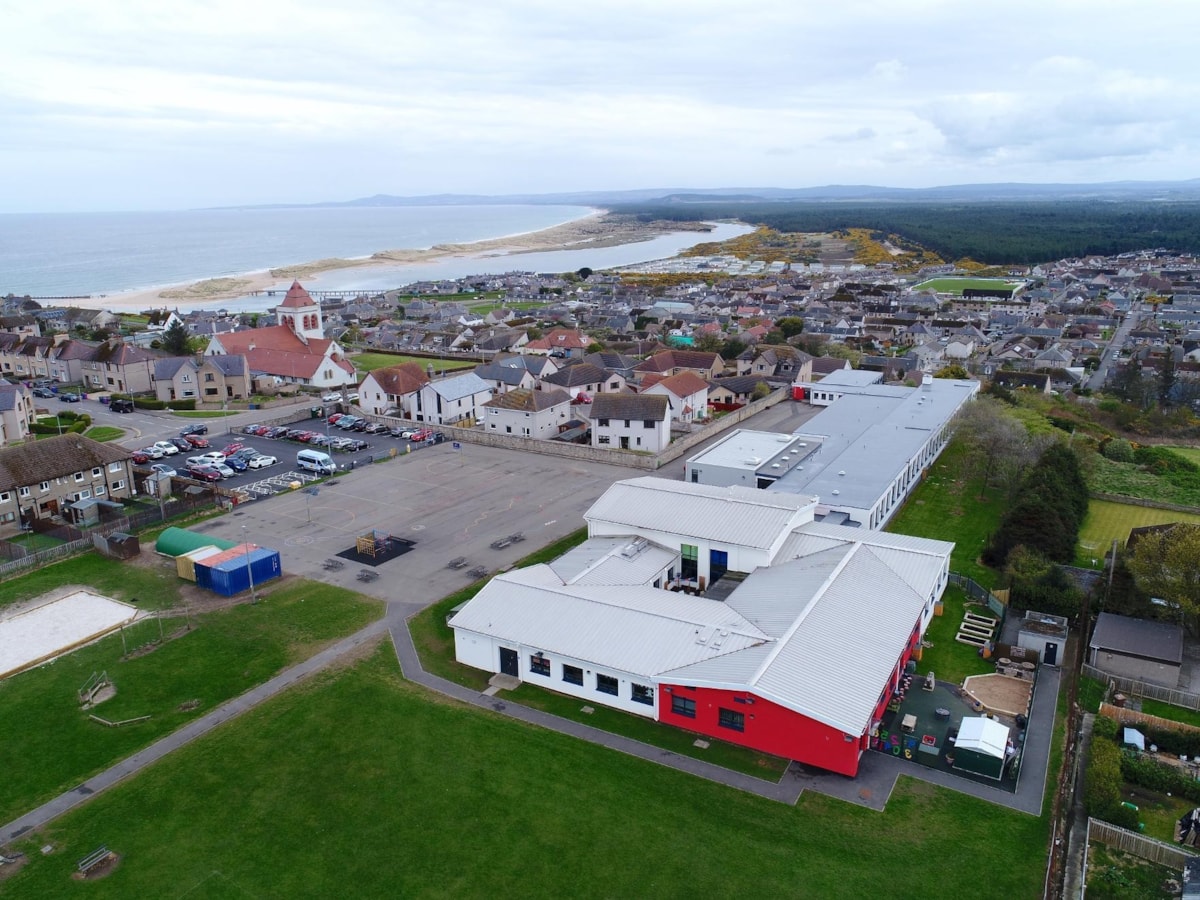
301 313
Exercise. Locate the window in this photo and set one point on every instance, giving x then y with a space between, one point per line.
117 485
603 423
114 467
688 569
79 476
24 491
647 423
539 665
97 472
99 489
209 377
572 674
643 694
734 721
186 379
683 706
5 496
606 684
603 439
626 423
45 486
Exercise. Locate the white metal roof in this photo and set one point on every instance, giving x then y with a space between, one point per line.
735 515
772 597
638 630
838 659
460 386
983 735
613 560
754 450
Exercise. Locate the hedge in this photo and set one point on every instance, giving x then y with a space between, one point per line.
147 403
1102 785
1156 776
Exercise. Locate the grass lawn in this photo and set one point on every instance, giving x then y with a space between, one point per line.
357 783
34 541
226 653
369 362
1158 812
947 507
1167 711
205 413
1106 520
1188 453
1131 480
104 433
154 586
1113 875
947 658
1091 694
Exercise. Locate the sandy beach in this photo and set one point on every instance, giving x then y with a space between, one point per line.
602 229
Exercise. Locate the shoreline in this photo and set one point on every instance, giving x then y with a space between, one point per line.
600 228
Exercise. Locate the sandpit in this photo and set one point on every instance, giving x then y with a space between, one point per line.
1001 694
58 626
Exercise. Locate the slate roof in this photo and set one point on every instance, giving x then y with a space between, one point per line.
684 384
1160 641
680 359
528 400
577 376
460 386
54 457
630 406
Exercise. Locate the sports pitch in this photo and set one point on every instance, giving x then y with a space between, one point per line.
1107 521
958 285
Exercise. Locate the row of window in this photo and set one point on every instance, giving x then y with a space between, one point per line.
646 423
97 472
605 684
726 718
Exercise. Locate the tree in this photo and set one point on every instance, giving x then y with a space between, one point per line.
175 340
1167 376
1166 565
732 348
584 274
761 390
790 326
952 371
708 343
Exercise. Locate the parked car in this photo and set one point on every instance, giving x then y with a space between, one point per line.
204 473
140 458
164 470
153 452
236 463
331 397
262 461
250 429
319 440
207 459
437 437
197 428
418 437
45 393
233 448
121 405
69 398
374 428
225 471
181 444
360 425
277 432
353 398
196 441
166 448
346 422
333 417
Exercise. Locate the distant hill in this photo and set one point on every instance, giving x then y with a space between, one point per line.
835 193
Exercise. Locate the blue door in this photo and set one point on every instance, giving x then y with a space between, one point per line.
718 565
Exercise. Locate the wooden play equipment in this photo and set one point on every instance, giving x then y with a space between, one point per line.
373 543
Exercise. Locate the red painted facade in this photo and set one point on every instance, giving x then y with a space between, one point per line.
772 728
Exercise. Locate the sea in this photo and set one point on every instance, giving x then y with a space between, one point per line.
96 255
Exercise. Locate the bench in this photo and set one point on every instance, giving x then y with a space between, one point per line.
517 537
93 859
501 544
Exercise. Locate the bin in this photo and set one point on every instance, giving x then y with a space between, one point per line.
314 412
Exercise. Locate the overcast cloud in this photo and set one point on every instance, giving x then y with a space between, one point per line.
153 104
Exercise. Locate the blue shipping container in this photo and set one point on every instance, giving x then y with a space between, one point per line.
232 576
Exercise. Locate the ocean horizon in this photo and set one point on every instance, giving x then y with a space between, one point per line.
96 254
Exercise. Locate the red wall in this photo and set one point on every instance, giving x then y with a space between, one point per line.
769 727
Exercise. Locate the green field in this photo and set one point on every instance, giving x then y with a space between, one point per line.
104 433
358 783
1106 520
369 362
948 507
224 654
958 285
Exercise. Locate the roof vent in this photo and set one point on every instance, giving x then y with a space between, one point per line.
774 465
843 472
835 493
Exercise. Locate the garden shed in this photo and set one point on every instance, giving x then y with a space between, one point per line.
1137 648
237 569
1044 634
981 747
175 541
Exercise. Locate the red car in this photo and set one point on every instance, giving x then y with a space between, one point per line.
196 441
204 473
423 435
334 417
140 458
232 449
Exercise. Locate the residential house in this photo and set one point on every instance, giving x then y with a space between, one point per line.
16 413
782 361
119 367
631 422
583 378
392 391
688 393
672 362
504 377
734 391
209 379
560 342
528 413
457 400
39 479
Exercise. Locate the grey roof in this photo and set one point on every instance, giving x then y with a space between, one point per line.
165 369
630 406
8 396
513 375
613 560
576 375
460 386
1138 637
53 457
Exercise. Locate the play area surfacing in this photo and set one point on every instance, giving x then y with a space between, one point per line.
56 626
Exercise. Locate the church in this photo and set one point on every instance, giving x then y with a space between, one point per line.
294 350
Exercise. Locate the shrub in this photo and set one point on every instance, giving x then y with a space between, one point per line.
1155 776
1105 728
1102 784
148 403
1118 450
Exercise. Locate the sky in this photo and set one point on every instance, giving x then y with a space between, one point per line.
158 104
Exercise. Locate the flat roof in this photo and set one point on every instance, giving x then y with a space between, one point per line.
868 437
751 451
851 378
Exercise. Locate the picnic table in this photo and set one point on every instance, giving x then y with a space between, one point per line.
457 563
501 543
332 564
477 572
366 575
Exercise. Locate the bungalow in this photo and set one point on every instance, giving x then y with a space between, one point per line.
672 362
583 378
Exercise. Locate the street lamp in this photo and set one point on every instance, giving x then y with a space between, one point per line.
249 570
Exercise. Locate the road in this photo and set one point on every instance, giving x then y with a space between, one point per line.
1112 351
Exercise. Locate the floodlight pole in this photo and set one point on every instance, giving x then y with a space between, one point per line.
249 570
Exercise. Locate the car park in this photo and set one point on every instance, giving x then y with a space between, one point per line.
262 461
197 428
69 398
164 470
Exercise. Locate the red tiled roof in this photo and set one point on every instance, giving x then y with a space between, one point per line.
684 384
297 297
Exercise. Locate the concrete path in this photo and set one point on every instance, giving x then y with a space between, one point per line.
194 729
1077 836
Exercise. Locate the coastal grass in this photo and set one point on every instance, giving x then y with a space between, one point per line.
223 654
359 783
103 433
1107 521
950 505
947 658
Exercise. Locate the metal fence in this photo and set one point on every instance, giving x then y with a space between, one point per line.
1145 689
976 591
1138 845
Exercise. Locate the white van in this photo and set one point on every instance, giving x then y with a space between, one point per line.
315 461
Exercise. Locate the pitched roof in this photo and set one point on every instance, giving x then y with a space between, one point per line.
1138 637
631 406
297 297
53 457
460 386
677 359
528 400
406 378
684 384
575 376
